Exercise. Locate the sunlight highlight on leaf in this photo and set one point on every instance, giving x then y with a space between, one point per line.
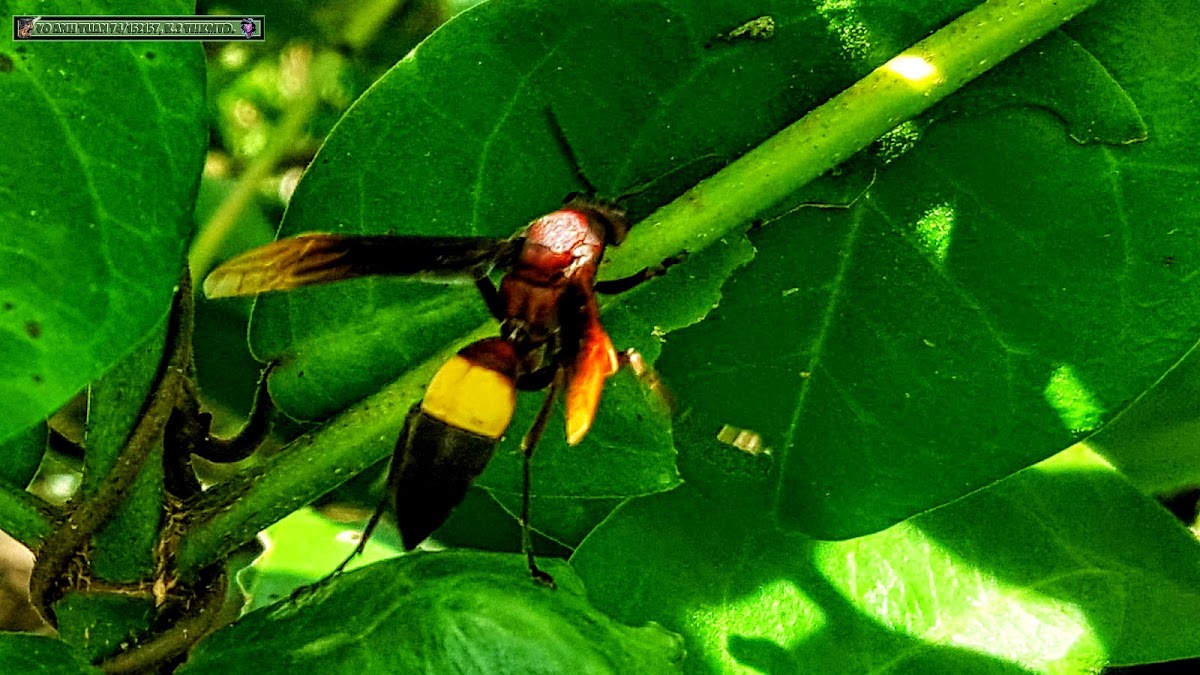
1078 457
958 603
1077 407
933 230
1042 634
302 549
797 616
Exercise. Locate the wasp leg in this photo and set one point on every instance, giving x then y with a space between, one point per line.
528 445
614 286
538 379
632 359
491 296
393 468
362 541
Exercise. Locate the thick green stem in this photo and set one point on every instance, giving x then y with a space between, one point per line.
93 508
308 467
123 549
899 90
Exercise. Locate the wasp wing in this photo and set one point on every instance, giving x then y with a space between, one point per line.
311 259
595 361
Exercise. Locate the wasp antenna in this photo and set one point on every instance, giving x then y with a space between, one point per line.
639 189
561 137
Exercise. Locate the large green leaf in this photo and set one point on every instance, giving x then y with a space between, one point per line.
22 455
1000 291
415 156
481 158
1062 568
1022 220
1156 443
95 202
437 613
100 623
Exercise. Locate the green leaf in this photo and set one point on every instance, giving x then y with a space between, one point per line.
1061 568
925 336
1000 292
21 455
629 454
100 623
24 653
437 613
96 207
225 370
1061 76
564 520
1156 443
341 342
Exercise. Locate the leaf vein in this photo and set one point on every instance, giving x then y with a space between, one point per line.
827 320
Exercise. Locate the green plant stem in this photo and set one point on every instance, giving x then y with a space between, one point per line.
363 25
123 548
308 467
209 240
730 199
93 509
24 516
718 206
359 31
152 653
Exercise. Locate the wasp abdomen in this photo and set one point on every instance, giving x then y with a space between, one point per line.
435 464
449 437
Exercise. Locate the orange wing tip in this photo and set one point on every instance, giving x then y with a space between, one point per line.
596 362
576 431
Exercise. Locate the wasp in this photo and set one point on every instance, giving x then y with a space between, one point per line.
551 339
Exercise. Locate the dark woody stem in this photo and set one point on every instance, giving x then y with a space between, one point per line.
61 546
203 617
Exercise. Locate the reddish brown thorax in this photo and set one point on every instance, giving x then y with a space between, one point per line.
561 254
561 245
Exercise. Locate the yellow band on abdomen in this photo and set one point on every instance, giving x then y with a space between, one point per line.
471 397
